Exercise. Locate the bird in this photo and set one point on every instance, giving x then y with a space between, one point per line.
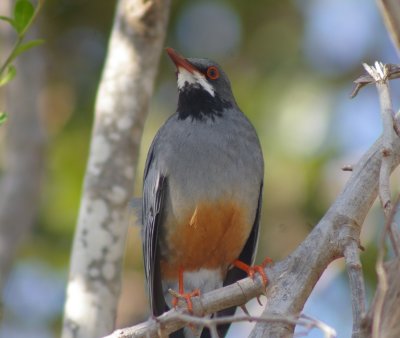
202 193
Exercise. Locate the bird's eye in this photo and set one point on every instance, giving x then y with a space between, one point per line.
212 73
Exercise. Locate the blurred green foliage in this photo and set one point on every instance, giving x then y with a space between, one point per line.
23 17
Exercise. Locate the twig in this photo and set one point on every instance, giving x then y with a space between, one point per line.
383 284
380 74
211 323
357 286
391 228
208 303
328 331
381 289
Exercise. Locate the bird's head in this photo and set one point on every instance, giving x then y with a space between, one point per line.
204 88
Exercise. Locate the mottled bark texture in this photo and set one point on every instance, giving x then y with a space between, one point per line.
121 108
24 151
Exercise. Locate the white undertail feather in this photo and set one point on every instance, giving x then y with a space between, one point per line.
194 78
204 279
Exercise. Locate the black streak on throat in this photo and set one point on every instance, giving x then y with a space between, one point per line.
199 104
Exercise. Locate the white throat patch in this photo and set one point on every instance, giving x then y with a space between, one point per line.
194 78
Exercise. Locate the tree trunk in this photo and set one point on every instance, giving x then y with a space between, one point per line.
121 108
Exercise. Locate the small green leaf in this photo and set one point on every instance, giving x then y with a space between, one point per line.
3 117
9 20
23 13
8 76
26 46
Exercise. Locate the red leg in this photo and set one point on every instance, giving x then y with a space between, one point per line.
251 270
182 295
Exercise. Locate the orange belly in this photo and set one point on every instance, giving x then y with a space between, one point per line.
211 237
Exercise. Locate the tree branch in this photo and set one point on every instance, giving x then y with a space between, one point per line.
380 74
354 270
291 281
326 242
121 108
385 314
383 317
390 10
157 327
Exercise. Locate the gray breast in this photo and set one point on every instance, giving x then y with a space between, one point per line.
208 159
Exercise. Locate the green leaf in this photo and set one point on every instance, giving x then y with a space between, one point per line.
8 76
9 20
23 13
26 46
3 117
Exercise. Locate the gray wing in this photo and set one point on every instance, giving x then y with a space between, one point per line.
249 251
248 254
154 188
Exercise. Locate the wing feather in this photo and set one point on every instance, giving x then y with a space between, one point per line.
152 217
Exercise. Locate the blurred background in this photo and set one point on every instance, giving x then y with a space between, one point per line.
291 64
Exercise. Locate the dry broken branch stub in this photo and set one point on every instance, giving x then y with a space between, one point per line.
393 72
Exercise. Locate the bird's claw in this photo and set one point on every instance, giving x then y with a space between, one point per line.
187 297
251 270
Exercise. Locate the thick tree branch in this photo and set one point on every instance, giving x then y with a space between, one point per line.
121 108
326 242
291 281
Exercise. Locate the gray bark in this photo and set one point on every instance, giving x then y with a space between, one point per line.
121 108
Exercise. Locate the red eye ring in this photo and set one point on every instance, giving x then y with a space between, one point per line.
212 73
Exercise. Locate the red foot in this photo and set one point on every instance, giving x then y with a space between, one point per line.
187 297
182 295
251 270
